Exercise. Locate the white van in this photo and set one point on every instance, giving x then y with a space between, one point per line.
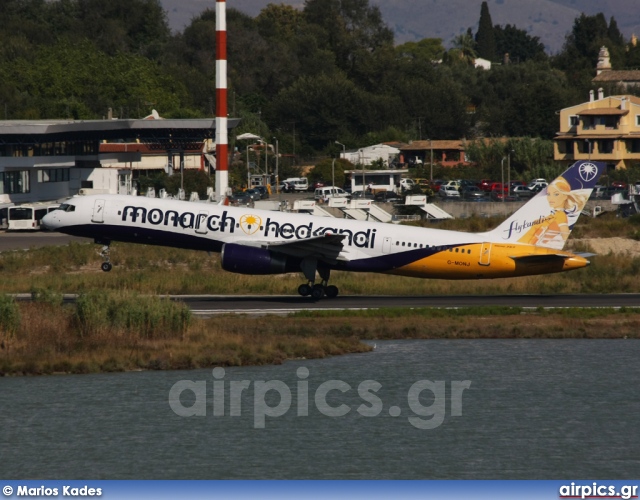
326 192
294 184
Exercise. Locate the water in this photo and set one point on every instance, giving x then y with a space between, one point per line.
535 409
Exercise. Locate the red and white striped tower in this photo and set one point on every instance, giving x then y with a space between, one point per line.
222 141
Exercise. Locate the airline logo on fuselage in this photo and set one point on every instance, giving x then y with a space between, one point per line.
250 224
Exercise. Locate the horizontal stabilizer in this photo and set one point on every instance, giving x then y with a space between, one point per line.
540 259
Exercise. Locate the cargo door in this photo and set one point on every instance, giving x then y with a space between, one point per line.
98 211
485 254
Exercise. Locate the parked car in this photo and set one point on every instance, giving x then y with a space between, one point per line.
449 192
254 194
386 197
407 184
538 187
435 185
473 193
485 184
456 184
317 184
240 198
362 195
326 192
264 192
498 196
522 192
294 184
497 187
535 183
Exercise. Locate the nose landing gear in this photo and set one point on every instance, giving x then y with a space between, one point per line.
104 253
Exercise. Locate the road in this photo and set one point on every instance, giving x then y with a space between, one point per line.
26 240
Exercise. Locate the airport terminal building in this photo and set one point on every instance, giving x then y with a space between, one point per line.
47 160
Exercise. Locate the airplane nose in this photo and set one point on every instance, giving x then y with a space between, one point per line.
49 222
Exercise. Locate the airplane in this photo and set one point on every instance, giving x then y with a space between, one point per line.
262 242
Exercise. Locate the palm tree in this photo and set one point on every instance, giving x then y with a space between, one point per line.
464 48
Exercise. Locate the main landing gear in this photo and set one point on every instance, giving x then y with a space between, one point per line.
316 290
104 253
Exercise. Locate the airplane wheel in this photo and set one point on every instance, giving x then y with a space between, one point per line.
317 292
304 290
331 291
106 267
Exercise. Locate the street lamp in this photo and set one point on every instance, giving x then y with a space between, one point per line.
277 161
509 169
431 148
333 180
502 170
266 163
333 172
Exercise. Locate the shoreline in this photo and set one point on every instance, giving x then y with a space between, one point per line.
243 341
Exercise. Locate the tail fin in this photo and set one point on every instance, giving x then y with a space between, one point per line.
547 219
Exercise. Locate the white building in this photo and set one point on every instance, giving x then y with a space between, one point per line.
370 154
49 160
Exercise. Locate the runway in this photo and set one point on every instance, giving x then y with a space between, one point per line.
212 305
205 306
23 240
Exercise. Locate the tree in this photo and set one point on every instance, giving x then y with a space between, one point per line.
351 29
426 50
325 170
464 50
582 45
518 44
280 22
485 37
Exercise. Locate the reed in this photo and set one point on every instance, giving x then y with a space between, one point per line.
51 337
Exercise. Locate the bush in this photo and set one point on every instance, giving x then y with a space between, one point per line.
9 315
148 317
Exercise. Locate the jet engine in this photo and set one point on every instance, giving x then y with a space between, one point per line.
251 260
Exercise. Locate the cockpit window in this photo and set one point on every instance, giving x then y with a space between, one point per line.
67 207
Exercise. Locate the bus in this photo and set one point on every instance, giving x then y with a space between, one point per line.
28 217
4 215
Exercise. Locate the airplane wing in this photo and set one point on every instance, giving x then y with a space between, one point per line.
327 247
